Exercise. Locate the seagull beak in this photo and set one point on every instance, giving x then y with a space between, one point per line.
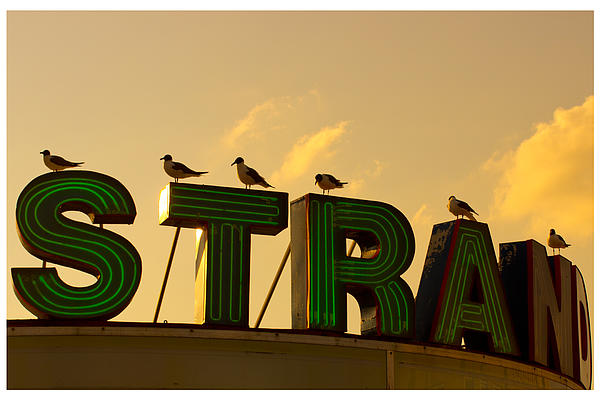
233 163
316 182
41 152
162 158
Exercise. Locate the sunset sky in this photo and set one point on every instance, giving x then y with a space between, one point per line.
495 108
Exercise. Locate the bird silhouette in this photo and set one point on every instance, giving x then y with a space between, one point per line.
328 182
459 207
556 241
57 163
178 170
248 176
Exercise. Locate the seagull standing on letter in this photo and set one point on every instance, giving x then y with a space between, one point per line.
57 163
248 176
177 170
459 207
328 182
556 241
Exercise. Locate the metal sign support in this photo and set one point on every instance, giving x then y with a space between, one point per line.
164 285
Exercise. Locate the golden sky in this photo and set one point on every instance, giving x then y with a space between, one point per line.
495 108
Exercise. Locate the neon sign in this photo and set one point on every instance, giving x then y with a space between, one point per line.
460 294
320 226
548 303
229 216
48 235
528 305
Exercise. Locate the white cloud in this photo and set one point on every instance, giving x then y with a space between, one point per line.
356 184
269 117
374 173
419 214
547 182
247 125
306 150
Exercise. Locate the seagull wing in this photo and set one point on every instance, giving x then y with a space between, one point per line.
561 239
335 181
181 167
58 160
465 206
332 179
255 175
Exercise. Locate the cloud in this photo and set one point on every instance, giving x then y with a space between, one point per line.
247 125
271 116
355 186
421 217
357 183
378 169
547 182
306 150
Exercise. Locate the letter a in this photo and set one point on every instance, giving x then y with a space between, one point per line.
460 293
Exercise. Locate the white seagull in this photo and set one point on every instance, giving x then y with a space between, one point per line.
328 182
57 163
177 170
459 207
248 176
556 241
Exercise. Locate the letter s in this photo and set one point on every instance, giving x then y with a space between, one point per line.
48 235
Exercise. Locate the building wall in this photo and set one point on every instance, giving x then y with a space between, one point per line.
166 356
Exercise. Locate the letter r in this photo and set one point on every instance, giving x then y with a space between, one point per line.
322 273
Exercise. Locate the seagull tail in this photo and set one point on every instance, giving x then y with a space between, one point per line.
567 245
265 185
341 184
200 173
471 217
77 164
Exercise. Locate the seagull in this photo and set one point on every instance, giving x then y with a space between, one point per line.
556 241
459 207
328 182
178 170
57 163
248 175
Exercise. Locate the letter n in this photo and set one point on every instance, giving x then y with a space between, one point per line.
539 293
322 272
